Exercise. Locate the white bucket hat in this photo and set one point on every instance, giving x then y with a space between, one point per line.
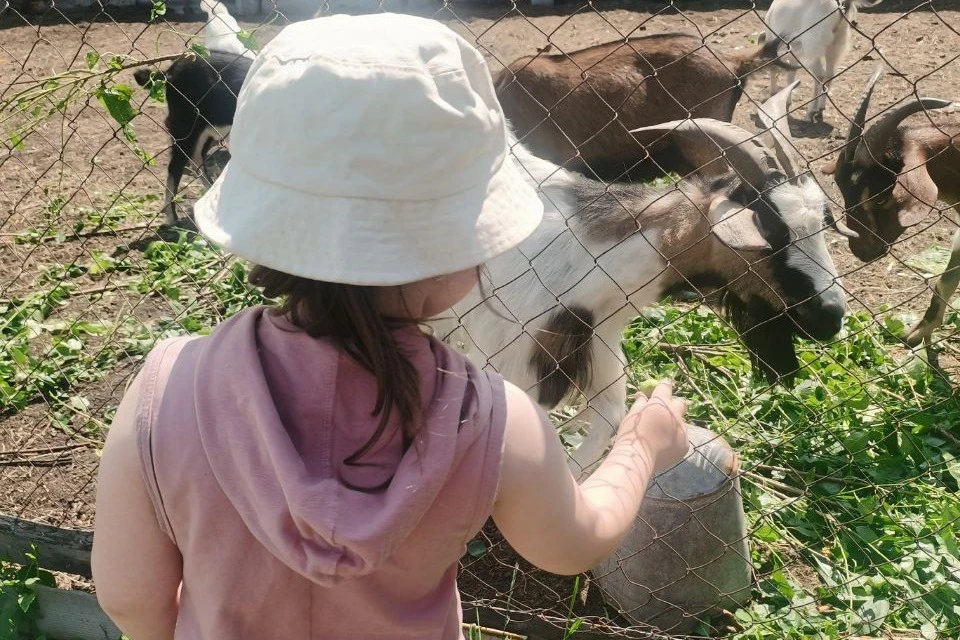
369 150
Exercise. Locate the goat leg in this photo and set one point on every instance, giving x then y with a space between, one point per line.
817 104
178 162
774 80
604 421
944 290
607 405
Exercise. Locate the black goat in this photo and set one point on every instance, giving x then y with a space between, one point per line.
201 97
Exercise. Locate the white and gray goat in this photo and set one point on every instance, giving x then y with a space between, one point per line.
550 314
891 178
818 35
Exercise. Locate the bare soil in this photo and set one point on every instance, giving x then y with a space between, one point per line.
84 159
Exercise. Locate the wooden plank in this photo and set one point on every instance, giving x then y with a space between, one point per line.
76 615
476 632
72 615
66 550
535 627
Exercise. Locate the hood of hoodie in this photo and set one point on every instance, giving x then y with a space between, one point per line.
279 411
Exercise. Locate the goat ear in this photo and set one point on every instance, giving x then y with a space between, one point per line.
914 192
736 225
829 169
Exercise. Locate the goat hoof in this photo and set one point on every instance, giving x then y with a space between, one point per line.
916 335
172 229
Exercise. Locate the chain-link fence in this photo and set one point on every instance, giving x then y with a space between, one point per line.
687 251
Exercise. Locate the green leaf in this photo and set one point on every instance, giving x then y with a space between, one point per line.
79 403
25 599
157 87
248 40
16 142
766 533
875 611
200 50
476 548
931 261
92 59
158 9
116 100
866 534
953 466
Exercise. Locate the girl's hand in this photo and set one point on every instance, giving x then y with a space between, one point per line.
656 425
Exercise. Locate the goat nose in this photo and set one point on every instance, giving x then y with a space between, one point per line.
821 318
833 312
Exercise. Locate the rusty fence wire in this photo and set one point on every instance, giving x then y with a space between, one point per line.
787 257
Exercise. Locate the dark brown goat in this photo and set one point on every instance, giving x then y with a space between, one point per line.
891 178
576 109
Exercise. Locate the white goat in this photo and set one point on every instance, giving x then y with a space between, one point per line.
221 31
818 34
550 315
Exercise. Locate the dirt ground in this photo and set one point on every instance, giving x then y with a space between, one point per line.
84 158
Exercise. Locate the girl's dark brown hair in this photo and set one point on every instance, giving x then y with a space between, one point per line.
348 313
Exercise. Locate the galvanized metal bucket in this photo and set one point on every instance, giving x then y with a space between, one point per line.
687 557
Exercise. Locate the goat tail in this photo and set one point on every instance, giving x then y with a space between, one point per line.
142 76
773 51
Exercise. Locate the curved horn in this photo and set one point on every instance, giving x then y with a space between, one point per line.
839 226
773 115
856 127
748 156
878 135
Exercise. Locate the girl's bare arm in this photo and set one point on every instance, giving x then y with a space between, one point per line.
566 528
136 568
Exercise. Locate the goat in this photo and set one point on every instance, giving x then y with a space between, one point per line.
221 32
558 304
201 100
891 178
576 109
818 35
201 94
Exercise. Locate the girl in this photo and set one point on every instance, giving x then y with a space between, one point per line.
316 470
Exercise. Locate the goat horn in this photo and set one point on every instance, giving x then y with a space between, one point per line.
840 227
878 135
844 230
748 156
856 127
773 115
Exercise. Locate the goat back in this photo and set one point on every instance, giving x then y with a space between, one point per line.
576 109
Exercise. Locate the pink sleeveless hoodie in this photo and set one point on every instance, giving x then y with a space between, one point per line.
240 435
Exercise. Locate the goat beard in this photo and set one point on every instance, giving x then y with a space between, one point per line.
768 337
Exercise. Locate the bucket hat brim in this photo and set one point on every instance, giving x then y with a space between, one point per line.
363 241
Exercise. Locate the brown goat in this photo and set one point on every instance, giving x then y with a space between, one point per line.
891 178
576 109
